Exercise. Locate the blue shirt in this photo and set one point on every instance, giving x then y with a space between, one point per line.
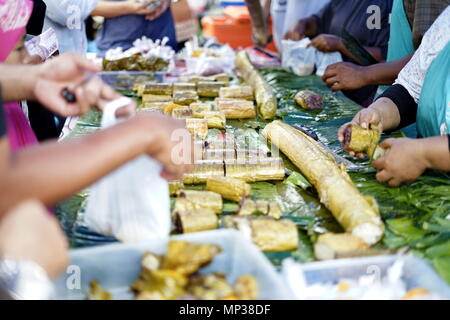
123 31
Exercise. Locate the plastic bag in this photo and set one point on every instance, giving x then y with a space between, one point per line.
325 59
298 58
132 203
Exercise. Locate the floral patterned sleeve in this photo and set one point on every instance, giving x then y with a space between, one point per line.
436 38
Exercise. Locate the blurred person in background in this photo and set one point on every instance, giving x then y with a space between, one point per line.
123 30
285 13
68 17
33 252
325 28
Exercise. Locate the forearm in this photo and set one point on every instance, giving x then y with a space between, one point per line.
53 171
436 152
111 9
17 81
389 114
385 73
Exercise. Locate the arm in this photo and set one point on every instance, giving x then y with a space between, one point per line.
54 171
306 27
112 9
349 76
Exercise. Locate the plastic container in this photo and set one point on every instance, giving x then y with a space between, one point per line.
124 80
117 266
416 272
234 28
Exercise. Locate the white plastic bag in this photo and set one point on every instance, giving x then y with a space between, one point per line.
132 203
325 59
298 58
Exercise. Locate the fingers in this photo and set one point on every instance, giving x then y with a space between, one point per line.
342 130
379 164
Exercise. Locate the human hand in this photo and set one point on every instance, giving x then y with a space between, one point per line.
172 145
158 11
138 7
29 232
404 161
297 32
327 43
364 118
70 71
345 76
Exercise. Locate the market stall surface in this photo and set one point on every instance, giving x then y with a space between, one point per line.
416 216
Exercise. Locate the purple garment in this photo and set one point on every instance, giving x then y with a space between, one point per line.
353 15
123 31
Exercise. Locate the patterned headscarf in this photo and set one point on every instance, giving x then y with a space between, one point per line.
14 15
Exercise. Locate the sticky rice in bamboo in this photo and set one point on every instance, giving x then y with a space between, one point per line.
356 213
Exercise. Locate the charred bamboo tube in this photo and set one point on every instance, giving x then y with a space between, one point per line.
356 213
215 119
249 207
197 127
204 170
237 92
259 23
265 97
362 140
230 189
196 220
182 113
184 86
155 98
266 233
330 245
309 100
203 199
158 88
175 187
253 170
236 108
199 109
185 97
209 89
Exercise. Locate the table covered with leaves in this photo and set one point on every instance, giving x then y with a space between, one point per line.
417 216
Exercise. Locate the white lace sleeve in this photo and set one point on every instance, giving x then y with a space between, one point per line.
435 39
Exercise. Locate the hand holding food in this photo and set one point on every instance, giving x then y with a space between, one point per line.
359 140
327 43
404 162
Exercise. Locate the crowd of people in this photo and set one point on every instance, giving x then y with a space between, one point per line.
411 48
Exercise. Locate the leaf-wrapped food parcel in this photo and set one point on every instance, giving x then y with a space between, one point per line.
196 220
185 97
358 139
249 207
199 109
158 88
204 170
236 108
309 100
155 98
203 199
209 89
197 127
237 92
215 119
266 232
182 113
265 97
184 86
253 170
356 213
229 188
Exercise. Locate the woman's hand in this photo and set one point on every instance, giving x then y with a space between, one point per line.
70 71
405 161
158 11
364 118
345 76
172 144
327 43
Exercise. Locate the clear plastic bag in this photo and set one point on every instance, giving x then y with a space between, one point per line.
132 203
325 59
298 58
